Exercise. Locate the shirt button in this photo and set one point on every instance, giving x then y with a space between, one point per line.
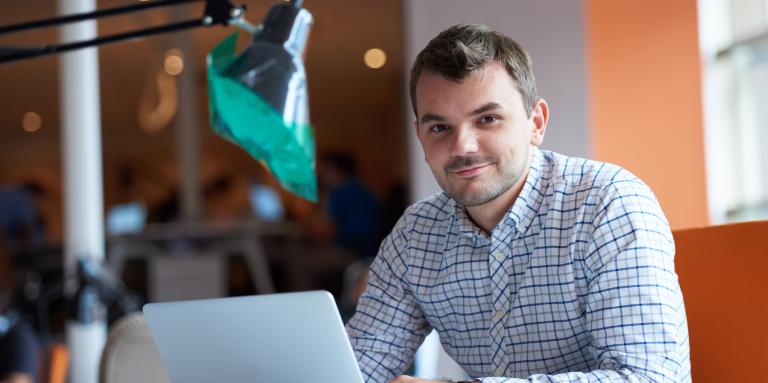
500 371
499 314
499 256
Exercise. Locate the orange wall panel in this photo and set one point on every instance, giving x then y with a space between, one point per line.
645 106
722 274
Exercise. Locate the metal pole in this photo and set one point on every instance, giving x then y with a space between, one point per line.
83 204
188 133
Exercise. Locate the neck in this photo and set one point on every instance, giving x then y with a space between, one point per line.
488 215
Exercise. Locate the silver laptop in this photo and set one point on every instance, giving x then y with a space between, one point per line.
286 338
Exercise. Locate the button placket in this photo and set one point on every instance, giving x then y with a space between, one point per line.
497 259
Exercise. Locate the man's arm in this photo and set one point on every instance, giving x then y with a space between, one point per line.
388 326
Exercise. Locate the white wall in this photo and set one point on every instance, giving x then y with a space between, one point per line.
553 33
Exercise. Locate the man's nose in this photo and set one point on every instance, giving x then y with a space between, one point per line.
464 142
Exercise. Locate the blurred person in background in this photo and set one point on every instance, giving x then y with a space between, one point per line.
18 344
352 210
21 223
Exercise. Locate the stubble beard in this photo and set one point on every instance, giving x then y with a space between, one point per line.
497 185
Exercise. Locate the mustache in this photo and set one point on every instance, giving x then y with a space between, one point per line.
466 162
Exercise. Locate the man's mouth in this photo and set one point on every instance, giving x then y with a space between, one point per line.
470 171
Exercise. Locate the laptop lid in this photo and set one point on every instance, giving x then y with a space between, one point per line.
291 337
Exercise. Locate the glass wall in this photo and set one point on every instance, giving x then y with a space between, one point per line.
734 39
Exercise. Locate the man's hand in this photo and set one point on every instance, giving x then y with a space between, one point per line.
411 379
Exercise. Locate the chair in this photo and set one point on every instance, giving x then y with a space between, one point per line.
130 354
722 271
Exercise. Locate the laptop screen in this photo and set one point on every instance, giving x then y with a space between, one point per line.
126 218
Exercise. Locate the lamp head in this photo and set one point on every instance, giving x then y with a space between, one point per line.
259 97
272 65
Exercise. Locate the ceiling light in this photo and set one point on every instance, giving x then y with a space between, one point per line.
173 63
31 122
375 58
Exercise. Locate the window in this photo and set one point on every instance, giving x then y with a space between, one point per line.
734 42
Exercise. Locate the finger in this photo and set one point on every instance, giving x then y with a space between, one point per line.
402 379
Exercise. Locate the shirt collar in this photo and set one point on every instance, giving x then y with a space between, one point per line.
464 221
527 204
522 212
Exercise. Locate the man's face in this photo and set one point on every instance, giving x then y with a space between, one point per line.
476 133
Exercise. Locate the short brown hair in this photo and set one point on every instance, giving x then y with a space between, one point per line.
462 49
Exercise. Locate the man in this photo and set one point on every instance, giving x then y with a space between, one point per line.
532 266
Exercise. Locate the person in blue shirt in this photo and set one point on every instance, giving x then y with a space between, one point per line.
20 220
531 265
351 207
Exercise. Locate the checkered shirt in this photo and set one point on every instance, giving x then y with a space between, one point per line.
575 284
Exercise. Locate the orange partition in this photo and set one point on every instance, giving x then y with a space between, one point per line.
722 271
645 106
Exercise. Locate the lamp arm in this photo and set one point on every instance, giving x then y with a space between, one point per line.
90 15
216 12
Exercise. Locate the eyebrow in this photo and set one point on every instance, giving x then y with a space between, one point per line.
487 107
430 117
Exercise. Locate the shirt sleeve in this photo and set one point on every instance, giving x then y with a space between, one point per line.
634 308
388 326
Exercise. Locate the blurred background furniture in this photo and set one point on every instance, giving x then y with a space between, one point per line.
722 271
172 248
130 354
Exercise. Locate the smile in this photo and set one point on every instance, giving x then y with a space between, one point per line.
471 171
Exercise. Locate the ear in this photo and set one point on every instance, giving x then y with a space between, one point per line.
539 118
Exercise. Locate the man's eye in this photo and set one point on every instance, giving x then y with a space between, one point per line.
488 120
438 128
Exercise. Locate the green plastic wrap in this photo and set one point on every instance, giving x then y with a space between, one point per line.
245 118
